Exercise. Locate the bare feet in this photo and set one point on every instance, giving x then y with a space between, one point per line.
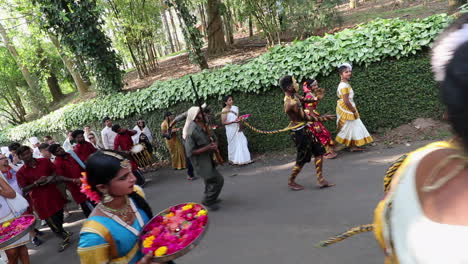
295 187
356 149
325 184
331 155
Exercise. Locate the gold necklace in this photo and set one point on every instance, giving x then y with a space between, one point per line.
122 213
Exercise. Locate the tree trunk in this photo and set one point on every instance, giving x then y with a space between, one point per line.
54 87
36 97
19 107
201 11
192 36
228 25
135 61
52 81
81 86
250 27
353 4
216 43
168 30
174 28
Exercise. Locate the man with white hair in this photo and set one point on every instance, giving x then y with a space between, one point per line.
199 147
35 147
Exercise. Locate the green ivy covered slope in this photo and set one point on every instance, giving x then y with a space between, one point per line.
316 56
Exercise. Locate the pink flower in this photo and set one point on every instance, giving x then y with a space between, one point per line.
175 228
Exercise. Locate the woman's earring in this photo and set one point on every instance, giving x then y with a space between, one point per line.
107 198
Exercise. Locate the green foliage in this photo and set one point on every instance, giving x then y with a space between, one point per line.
78 25
464 8
12 84
303 17
251 82
135 26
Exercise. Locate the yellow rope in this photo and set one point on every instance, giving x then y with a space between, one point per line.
247 124
349 233
288 128
391 171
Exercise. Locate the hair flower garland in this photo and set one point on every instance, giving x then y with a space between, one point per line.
87 190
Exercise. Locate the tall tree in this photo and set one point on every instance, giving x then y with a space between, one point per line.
78 26
51 78
228 22
266 13
168 30
35 96
216 42
174 28
81 86
201 12
192 35
11 85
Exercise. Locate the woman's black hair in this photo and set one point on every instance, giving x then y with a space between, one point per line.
342 69
309 82
167 114
53 148
454 92
453 85
101 168
225 98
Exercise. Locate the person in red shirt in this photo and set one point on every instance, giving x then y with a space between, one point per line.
83 148
124 142
38 178
66 166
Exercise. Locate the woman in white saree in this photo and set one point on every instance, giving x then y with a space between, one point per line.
238 151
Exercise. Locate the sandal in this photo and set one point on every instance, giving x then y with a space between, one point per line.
330 155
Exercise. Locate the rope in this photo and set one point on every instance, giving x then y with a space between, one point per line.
288 128
349 233
391 171
247 124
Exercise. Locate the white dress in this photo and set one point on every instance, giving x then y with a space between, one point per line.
6 213
146 131
352 131
238 151
416 238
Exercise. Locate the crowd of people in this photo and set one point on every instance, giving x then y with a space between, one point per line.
102 175
48 171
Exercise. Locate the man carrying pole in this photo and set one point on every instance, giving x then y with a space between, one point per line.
200 146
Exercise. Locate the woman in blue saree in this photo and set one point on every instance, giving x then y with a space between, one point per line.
110 234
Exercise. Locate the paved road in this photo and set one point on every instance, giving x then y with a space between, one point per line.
261 221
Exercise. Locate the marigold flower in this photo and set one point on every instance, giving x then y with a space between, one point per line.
6 224
201 212
169 215
187 207
148 241
161 251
